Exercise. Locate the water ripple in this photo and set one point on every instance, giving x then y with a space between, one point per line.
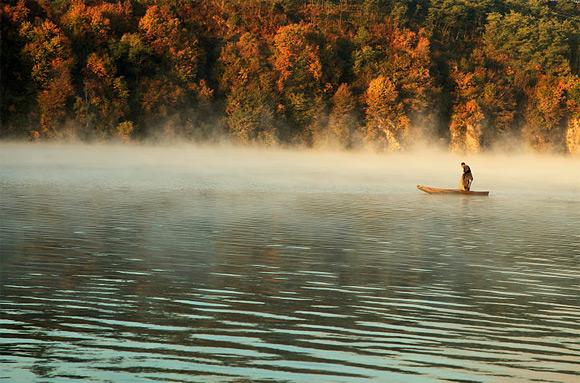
190 285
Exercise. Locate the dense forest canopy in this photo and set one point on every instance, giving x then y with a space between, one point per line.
384 73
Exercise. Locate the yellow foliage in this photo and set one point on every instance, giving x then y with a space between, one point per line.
387 124
465 128
124 130
573 136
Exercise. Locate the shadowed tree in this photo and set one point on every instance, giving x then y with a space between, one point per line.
17 90
531 43
535 52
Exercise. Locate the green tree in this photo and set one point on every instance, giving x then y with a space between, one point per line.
530 43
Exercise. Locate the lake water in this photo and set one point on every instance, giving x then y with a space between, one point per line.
229 265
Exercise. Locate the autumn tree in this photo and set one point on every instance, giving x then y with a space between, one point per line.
95 29
49 51
573 126
387 125
466 127
343 120
104 103
545 114
485 102
402 56
298 65
248 81
92 25
174 88
477 72
169 37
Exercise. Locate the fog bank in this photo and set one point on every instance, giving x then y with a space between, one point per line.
233 168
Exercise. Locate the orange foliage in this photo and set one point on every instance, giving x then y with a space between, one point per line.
160 27
52 99
297 58
49 52
158 96
99 21
98 65
45 43
170 38
15 13
274 60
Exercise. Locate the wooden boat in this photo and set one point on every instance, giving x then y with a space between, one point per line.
432 190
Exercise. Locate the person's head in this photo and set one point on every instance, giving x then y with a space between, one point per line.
463 164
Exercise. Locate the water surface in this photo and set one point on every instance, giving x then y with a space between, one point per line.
280 267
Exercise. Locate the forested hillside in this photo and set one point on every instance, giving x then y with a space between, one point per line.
345 73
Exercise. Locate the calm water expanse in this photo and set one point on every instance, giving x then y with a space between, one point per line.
187 264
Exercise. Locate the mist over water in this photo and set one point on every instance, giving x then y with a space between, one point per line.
239 168
226 264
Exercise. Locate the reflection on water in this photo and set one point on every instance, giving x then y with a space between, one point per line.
114 284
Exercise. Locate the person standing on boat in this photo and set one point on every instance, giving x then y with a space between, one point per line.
466 178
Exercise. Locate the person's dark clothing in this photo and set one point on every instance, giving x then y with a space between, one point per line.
467 178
